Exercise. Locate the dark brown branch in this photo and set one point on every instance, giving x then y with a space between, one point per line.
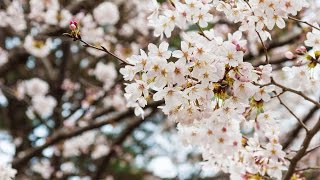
292 135
301 153
278 61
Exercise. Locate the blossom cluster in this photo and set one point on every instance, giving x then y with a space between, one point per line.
49 12
254 15
37 90
45 15
210 91
303 76
106 73
100 31
6 172
13 17
261 16
82 144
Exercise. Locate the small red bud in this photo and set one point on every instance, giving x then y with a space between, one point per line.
73 25
238 47
301 50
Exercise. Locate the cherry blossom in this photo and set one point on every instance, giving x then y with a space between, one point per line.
207 63
105 73
38 48
6 172
44 105
112 13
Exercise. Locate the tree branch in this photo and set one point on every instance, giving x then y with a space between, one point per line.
299 120
304 22
103 49
292 135
312 149
264 47
301 153
296 92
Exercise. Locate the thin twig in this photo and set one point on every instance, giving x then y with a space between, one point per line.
264 47
308 168
292 134
260 38
299 120
202 32
98 48
312 149
296 92
291 112
304 22
105 50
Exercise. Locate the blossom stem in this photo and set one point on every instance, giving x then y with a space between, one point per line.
202 32
299 120
264 48
105 50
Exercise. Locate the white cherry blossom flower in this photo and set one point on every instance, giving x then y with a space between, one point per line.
35 87
106 73
7 172
38 48
161 52
106 13
44 105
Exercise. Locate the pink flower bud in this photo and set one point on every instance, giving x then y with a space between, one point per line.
289 55
238 47
73 25
301 50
